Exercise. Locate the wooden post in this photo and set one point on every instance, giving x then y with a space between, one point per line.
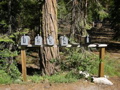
101 64
23 59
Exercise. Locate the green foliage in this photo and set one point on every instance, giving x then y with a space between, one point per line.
6 39
14 72
56 78
10 68
5 78
62 10
112 66
80 59
6 53
99 10
35 78
61 78
103 14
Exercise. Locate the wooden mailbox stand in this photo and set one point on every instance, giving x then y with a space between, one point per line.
23 60
101 64
101 56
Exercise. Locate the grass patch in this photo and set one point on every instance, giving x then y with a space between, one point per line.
35 78
112 66
62 78
56 78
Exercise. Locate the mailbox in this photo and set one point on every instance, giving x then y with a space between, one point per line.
25 40
63 41
50 40
38 40
87 39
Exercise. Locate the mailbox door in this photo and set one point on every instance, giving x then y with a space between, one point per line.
63 41
24 40
38 40
50 40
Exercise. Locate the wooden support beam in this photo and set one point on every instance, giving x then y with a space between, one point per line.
101 64
23 60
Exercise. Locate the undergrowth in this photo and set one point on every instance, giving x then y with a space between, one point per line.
112 66
80 60
75 60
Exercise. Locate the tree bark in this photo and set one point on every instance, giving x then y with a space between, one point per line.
49 27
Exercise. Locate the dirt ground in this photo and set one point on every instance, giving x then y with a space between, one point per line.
80 85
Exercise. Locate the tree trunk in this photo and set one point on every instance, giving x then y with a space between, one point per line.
10 46
10 17
49 27
79 16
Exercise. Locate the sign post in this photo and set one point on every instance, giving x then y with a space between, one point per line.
101 64
23 60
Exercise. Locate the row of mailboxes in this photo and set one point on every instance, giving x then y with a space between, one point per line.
63 40
25 40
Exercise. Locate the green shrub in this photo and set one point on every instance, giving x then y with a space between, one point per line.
5 78
80 59
8 65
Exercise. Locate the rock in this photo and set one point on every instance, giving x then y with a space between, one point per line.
102 80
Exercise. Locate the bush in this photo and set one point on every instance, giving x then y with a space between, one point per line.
5 78
8 65
80 60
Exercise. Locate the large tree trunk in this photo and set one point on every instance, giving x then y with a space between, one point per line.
49 27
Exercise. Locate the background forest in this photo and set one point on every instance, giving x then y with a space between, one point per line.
75 18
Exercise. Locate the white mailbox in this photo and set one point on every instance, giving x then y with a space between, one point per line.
25 40
38 40
50 40
63 41
87 39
